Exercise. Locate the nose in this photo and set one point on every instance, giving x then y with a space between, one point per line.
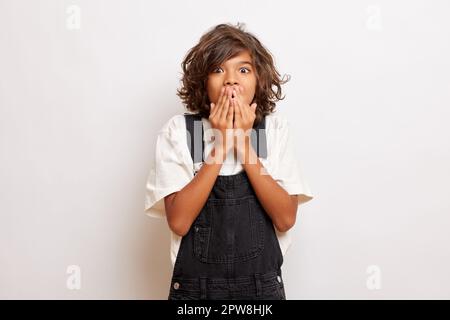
230 80
231 84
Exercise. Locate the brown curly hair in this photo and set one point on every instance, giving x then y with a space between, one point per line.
219 44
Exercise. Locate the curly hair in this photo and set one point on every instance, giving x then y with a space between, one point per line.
219 44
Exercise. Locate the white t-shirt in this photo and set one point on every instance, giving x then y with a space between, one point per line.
172 167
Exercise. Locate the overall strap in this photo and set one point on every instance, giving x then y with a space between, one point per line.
194 137
259 140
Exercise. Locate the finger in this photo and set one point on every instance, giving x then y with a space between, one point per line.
238 108
235 108
216 110
243 115
225 108
212 110
218 106
224 97
230 114
239 91
238 96
230 93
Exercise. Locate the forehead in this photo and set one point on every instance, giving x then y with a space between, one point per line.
241 57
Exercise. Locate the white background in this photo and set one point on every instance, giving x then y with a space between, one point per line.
80 105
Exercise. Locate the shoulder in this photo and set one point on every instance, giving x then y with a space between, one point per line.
171 139
276 121
175 124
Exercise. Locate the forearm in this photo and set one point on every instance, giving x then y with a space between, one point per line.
188 202
279 205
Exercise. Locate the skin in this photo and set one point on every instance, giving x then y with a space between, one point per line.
231 88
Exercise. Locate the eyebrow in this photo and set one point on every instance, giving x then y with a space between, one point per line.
245 62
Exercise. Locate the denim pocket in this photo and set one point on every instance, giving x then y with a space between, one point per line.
201 242
232 231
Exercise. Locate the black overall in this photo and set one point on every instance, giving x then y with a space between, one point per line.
231 250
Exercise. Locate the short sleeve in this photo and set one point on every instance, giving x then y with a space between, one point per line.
171 167
287 169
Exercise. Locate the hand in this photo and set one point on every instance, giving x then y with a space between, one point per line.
221 118
244 118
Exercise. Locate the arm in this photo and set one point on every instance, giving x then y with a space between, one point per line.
279 205
184 206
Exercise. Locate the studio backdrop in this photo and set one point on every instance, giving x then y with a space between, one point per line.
85 85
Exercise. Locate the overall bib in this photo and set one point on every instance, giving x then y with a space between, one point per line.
231 250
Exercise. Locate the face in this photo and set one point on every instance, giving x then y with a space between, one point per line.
237 71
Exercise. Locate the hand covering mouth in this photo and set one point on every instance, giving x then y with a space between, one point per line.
235 89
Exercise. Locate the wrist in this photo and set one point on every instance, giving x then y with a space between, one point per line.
220 150
242 146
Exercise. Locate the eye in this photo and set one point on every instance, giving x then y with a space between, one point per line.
243 68
218 68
